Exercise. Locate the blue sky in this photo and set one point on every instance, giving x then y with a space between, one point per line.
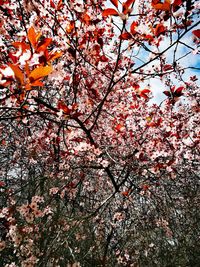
191 60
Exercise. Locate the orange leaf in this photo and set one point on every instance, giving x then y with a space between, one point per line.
110 12
28 87
196 33
27 69
162 6
42 46
22 96
37 83
86 19
119 127
60 4
33 36
114 2
160 29
70 26
166 6
18 73
40 72
53 56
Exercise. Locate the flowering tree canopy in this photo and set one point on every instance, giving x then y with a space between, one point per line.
99 123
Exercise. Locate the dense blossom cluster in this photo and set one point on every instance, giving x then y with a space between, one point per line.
95 171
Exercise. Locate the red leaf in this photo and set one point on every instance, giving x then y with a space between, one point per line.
100 41
103 58
52 4
74 106
126 193
21 45
196 33
144 96
65 109
144 92
114 2
110 12
126 6
167 93
129 2
179 92
145 187
176 4
154 2
167 67
119 127
2 184
180 89
13 57
77 139
3 2
159 121
173 89
148 37
132 28
77 114
160 29
125 36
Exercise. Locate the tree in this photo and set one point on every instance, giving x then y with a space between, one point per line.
93 171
